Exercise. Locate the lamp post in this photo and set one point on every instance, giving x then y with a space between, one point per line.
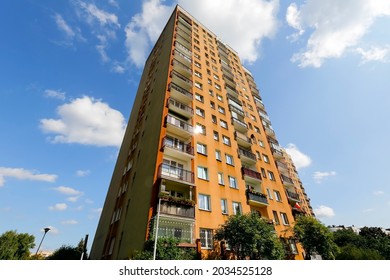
46 230
156 233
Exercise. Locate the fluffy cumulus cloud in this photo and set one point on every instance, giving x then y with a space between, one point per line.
67 190
374 54
242 24
324 212
86 121
300 159
319 176
58 207
334 28
23 174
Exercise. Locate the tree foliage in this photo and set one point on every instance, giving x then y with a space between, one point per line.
370 244
67 252
16 246
315 238
250 236
167 249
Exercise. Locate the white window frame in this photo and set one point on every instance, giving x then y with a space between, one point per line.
233 182
284 218
203 173
229 159
224 206
204 201
221 180
201 148
206 235
236 205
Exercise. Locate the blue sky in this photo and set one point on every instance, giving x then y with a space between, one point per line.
70 69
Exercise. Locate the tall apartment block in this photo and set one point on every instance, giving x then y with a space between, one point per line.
199 146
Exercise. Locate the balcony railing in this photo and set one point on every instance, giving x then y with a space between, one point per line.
292 196
239 125
179 126
281 166
173 206
181 147
187 110
247 154
251 173
236 110
242 139
185 93
256 198
172 172
286 180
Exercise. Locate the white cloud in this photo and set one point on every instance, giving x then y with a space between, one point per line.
324 212
379 193
23 174
241 24
93 14
63 26
58 94
67 190
86 121
58 207
368 210
336 26
73 198
83 173
70 222
320 176
300 159
113 3
374 54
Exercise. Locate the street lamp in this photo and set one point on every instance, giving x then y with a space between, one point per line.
46 230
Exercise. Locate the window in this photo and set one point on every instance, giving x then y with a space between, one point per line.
197 55
200 128
292 246
229 159
209 82
257 129
223 124
277 196
197 64
220 178
269 194
276 218
217 86
233 182
237 210
221 110
284 218
198 85
204 202
203 173
211 92
261 143
216 136
212 105
198 74
206 238
258 155
201 148
214 119
265 158
215 77
254 119
199 112
226 140
271 175
199 97
219 97
224 206
263 173
218 155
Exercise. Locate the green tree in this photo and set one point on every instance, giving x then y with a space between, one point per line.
67 252
352 252
315 238
16 246
250 236
167 249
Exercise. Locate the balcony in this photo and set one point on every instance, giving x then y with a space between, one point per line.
255 91
178 127
182 24
269 131
259 103
256 199
287 181
233 108
282 167
174 147
242 139
247 156
183 41
264 116
181 80
182 68
177 206
277 153
231 90
180 108
250 175
184 32
180 94
183 58
293 197
183 49
239 125
181 228
229 81
173 173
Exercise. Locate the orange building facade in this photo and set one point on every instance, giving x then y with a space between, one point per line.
199 147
